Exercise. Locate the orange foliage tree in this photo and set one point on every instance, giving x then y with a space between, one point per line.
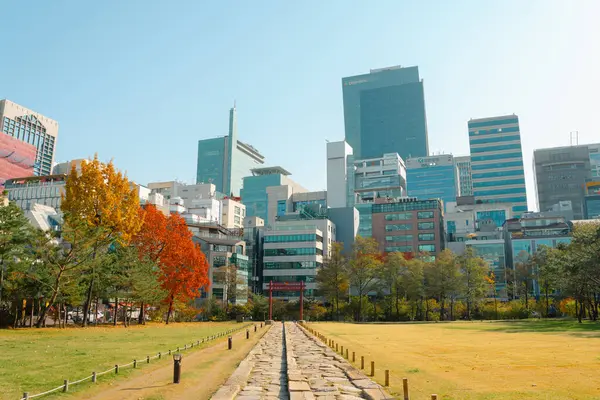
183 269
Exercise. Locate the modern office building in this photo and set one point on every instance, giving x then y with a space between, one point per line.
225 161
493 252
464 180
263 203
254 228
44 190
595 160
233 213
65 168
592 200
294 250
497 161
17 158
384 112
560 174
408 225
32 128
432 177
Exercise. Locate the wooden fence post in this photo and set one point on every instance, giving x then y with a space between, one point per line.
387 377
26 395
134 363
353 357
94 377
434 397
66 387
372 368
362 362
147 359
116 368
405 387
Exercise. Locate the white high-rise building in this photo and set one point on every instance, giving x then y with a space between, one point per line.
337 177
464 180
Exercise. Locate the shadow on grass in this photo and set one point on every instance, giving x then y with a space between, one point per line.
585 329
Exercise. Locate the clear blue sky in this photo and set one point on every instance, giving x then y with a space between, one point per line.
141 81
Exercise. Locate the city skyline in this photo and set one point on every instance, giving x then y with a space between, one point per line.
139 117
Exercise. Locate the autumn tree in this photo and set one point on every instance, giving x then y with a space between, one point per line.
332 277
363 268
474 271
183 267
102 199
392 273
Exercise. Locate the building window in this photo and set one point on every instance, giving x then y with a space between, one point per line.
398 227
281 207
401 249
426 236
398 216
427 247
292 238
293 252
426 225
425 214
399 238
237 210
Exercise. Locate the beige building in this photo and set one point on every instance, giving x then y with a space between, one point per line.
232 214
65 168
31 127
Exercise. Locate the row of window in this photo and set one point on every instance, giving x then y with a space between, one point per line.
497 192
308 237
399 238
409 226
407 206
513 146
398 216
518 181
490 157
506 164
289 278
293 265
401 249
483 175
509 138
294 252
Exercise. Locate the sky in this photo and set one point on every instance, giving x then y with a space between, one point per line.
141 81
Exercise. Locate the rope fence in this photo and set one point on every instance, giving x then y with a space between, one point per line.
363 366
136 362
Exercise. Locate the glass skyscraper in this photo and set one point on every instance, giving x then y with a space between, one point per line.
32 128
384 112
431 178
497 162
225 161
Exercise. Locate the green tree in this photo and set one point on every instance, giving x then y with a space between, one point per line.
332 278
414 285
473 273
393 274
442 277
364 267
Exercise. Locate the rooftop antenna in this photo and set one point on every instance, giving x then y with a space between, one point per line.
574 137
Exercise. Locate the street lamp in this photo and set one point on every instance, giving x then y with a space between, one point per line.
177 367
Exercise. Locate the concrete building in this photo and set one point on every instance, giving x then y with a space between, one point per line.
464 179
347 221
408 225
44 190
432 177
338 154
263 202
225 161
44 217
17 158
233 213
384 112
65 168
592 200
497 161
560 175
294 250
33 128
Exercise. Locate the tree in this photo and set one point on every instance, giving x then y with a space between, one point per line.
413 284
474 271
523 274
393 274
231 281
332 277
183 266
442 277
100 197
364 266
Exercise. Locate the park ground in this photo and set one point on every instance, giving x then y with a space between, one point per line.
529 360
35 360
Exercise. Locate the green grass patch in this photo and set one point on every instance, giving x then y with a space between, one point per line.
35 360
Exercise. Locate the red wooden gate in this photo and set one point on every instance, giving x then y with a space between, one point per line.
286 287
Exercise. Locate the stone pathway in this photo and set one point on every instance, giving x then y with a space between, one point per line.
268 377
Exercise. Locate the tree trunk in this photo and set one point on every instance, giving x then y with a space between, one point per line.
142 317
169 311
87 306
16 319
96 315
581 312
452 308
397 305
66 316
442 300
547 301
42 318
426 309
31 313
468 309
57 316
116 311
359 307
526 296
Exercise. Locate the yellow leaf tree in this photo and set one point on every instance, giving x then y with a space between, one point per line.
100 200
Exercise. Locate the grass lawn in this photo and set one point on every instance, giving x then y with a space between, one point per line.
35 360
532 360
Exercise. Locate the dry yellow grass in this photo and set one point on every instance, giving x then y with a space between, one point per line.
529 360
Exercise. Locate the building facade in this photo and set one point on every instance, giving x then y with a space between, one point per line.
432 177
592 200
493 253
17 158
408 225
32 128
233 213
560 175
464 180
497 161
338 154
225 161
254 229
44 190
293 252
384 112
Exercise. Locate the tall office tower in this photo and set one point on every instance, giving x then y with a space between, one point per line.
497 162
337 173
431 178
384 112
32 128
464 180
560 174
225 161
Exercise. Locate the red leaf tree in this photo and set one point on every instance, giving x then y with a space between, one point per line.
183 269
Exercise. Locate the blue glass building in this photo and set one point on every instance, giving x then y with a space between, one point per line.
384 112
497 162
431 178
225 161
